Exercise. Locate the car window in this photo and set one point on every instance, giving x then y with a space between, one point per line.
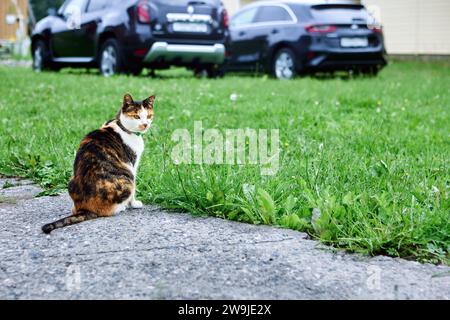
244 17
339 13
272 14
70 6
96 5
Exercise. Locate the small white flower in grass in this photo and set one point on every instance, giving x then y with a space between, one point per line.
321 147
378 110
233 97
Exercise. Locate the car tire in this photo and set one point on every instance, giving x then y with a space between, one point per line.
110 58
41 57
284 66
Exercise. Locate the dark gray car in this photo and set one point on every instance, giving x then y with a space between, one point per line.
127 35
287 38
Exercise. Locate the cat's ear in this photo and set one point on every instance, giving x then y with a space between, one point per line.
127 101
148 103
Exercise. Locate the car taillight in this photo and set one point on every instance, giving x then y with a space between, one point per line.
225 18
377 29
321 29
143 12
140 52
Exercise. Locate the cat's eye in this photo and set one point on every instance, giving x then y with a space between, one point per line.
137 117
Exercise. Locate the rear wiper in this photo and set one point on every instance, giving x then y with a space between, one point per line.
337 6
196 3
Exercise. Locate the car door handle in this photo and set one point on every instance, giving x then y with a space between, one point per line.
98 20
242 33
275 31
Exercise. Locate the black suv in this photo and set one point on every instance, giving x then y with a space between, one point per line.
127 35
286 38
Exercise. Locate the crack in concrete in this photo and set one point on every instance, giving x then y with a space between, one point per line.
187 247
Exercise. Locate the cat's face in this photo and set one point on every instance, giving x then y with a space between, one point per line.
137 116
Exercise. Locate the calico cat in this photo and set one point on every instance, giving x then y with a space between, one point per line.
104 172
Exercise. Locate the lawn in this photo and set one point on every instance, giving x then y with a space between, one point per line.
368 156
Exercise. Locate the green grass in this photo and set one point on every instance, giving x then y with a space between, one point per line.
381 181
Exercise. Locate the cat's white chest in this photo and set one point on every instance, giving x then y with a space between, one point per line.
135 143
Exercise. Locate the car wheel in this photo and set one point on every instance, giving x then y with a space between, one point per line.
110 58
41 57
284 66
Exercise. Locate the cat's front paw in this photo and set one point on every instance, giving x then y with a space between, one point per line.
136 204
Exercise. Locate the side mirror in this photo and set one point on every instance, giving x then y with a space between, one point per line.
51 12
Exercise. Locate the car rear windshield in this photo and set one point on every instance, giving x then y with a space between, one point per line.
338 13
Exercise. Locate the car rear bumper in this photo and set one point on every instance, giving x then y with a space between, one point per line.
185 53
343 61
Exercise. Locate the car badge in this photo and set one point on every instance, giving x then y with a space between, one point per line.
190 9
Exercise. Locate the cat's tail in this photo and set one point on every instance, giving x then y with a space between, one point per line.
80 216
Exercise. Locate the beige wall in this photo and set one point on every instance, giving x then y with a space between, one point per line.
415 26
232 5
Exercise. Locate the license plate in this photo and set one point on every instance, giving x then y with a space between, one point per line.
190 27
354 42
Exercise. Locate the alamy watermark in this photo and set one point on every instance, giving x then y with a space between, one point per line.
232 146
373 281
73 278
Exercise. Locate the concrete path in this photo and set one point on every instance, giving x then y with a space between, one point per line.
152 254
